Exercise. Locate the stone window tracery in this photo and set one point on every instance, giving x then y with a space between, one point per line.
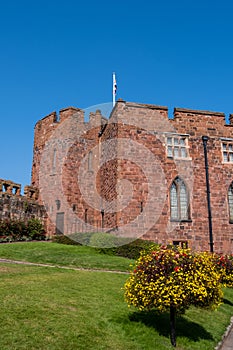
227 151
177 146
230 202
179 201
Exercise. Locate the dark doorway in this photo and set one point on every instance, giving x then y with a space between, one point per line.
60 224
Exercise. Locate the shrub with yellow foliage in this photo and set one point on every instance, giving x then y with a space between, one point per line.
172 279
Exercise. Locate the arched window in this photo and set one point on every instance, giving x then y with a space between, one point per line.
230 202
179 200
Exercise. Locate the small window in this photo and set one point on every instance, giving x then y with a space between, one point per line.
230 202
85 216
179 201
227 151
90 161
181 244
54 161
177 147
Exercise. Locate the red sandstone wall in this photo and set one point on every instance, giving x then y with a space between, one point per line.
13 205
79 137
146 125
198 124
144 119
42 133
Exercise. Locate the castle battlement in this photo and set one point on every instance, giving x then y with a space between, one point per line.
15 206
152 150
11 188
50 122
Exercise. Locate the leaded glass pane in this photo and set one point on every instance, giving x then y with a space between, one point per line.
173 200
230 147
176 151
224 146
230 157
169 151
182 142
183 202
177 147
230 202
225 157
183 152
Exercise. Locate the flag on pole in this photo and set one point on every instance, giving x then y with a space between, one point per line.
114 84
114 89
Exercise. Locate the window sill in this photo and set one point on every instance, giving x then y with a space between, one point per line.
181 220
180 158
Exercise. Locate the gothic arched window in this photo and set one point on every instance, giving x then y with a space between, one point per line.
179 200
230 202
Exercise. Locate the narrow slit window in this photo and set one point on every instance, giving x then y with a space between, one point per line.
54 160
90 161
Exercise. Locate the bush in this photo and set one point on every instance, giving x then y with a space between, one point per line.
106 243
172 279
35 229
18 230
81 237
77 238
224 264
62 239
131 250
107 240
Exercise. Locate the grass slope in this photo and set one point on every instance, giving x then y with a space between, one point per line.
61 254
45 308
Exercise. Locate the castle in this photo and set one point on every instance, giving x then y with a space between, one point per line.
137 174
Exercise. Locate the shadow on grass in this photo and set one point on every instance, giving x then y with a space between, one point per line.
228 302
161 323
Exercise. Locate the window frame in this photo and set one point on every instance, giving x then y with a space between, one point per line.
230 205
227 151
178 182
174 146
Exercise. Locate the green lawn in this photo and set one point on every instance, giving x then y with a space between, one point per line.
65 255
51 308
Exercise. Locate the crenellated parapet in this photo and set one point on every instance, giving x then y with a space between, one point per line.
50 124
31 192
231 119
9 187
15 206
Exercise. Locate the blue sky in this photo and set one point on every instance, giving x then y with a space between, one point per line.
56 54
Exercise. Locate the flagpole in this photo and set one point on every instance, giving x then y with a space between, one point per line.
113 89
